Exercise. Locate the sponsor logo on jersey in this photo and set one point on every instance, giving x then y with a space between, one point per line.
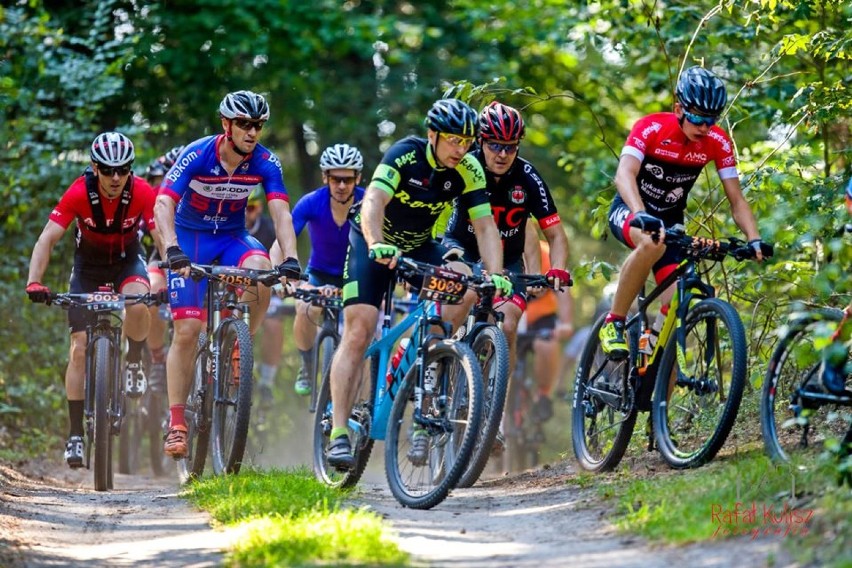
448 185
409 158
176 170
653 127
416 182
176 281
639 143
216 170
666 153
405 198
699 157
728 161
619 215
675 195
654 170
681 178
721 139
517 195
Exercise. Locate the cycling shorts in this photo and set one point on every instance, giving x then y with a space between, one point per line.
187 296
619 225
365 281
88 278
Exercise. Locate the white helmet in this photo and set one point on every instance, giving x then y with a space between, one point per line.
112 149
244 104
341 157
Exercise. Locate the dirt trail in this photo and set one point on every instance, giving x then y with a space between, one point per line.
535 519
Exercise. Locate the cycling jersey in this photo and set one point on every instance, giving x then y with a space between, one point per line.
849 197
210 200
420 190
263 229
108 235
515 196
671 163
328 239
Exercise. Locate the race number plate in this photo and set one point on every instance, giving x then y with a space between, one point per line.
444 286
104 302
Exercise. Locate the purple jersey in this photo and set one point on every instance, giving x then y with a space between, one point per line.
210 200
328 240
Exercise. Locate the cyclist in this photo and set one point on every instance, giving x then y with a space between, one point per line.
409 189
325 211
107 202
660 162
200 211
516 192
836 353
553 312
157 335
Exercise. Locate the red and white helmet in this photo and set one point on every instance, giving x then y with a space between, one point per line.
112 149
500 122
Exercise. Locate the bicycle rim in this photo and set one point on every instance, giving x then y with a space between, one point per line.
362 444
603 416
492 352
695 404
199 406
232 403
324 348
796 428
102 352
456 412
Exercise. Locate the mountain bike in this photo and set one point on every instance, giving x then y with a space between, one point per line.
328 299
490 347
391 404
695 372
147 420
797 416
104 405
523 430
218 408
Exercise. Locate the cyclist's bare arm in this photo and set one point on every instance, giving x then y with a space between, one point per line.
532 250
373 215
279 210
489 243
625 182
40 258
740 210
558 241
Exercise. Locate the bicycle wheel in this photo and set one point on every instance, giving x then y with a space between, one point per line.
492 351
199 406
451 419
604 415
359 429
102 357
697 395
323 352
232 386
796 428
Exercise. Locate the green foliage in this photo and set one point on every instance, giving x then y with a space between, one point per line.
288 518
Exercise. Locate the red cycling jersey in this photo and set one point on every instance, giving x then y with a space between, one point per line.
671 163
106 245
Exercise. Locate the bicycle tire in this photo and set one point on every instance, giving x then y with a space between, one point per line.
101 356
323 352
601 449
794 429
199 406
362 446
232 403
449 452
682 409
491 349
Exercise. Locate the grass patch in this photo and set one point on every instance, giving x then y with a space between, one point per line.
288 518
743 495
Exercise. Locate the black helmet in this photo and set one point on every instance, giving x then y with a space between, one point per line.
452 116
155 169
244 104
701 91
170 157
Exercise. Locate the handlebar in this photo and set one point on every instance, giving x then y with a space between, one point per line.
322 296
710 249
106 300
234 275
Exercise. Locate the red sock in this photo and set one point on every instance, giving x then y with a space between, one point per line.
612 317
176 415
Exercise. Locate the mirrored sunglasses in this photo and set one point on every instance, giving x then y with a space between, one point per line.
456 140
347 180
110 171
699 120
245 124
496 147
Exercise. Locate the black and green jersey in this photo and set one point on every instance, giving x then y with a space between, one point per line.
420 190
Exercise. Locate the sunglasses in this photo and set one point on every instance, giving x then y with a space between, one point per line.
496 147
111 171
244 124
700 120
455 140
347 180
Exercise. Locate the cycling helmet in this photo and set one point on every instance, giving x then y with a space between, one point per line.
169 158
343 157
112 149
452 116
155 169
500 122
701 91
244 104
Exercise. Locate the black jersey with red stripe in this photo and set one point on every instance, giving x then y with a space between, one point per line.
515 196
671 163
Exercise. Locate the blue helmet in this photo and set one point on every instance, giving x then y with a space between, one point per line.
701 91
452 116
